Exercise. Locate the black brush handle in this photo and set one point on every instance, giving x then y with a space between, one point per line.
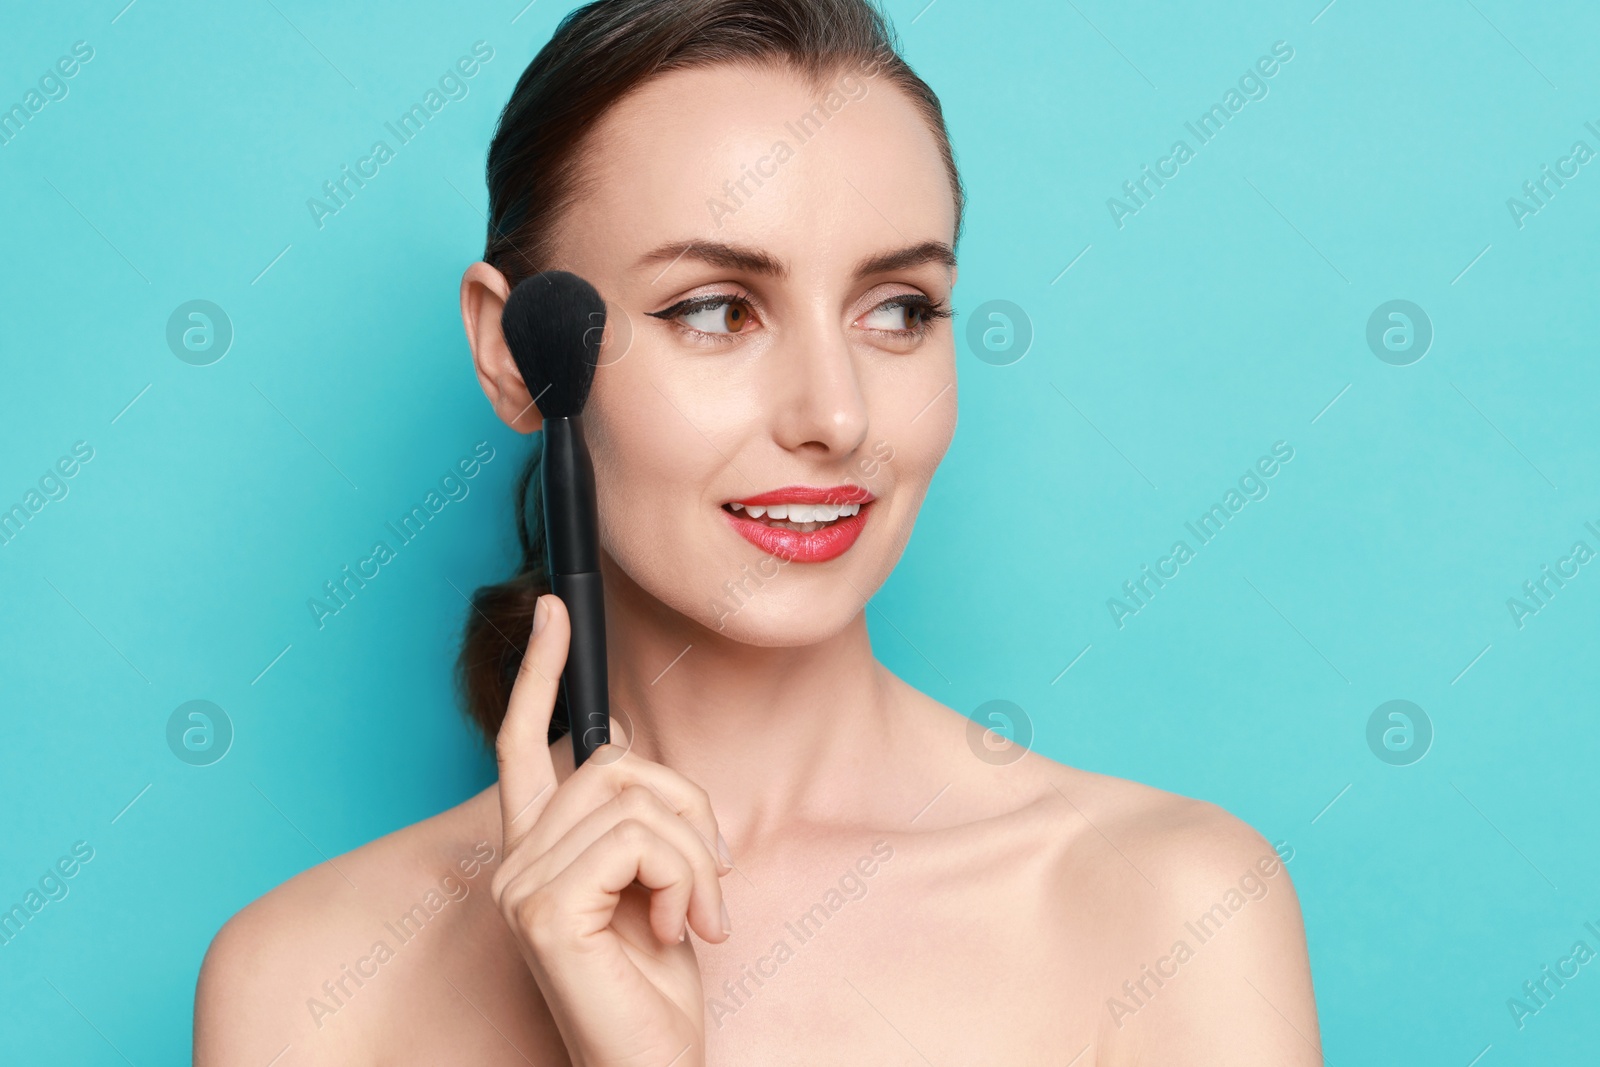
583 682
572 541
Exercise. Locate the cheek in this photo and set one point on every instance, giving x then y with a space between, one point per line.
929 436
912 411
917 451
913 422
653 473
639 469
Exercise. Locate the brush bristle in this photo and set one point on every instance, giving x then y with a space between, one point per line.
553 324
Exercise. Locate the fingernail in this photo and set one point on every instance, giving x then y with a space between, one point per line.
541 614
684 932
722 851
727 923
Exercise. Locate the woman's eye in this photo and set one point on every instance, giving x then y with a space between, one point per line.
896 317
725 316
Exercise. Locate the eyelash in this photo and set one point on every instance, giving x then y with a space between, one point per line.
675 313
932 311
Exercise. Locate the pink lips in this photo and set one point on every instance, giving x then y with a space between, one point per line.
819 546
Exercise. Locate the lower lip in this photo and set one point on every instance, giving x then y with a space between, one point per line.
819 546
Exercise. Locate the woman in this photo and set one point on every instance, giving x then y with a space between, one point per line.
789 856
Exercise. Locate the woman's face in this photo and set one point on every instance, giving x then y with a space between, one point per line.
776 260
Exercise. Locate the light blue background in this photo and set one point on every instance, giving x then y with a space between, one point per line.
1223 317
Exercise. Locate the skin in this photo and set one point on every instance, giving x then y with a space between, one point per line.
986 903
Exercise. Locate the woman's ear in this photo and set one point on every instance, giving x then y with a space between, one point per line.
483 297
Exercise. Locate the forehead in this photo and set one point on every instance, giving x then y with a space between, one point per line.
811 172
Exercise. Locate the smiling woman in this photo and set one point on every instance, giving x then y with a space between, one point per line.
776 383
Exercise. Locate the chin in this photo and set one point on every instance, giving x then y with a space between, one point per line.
786 622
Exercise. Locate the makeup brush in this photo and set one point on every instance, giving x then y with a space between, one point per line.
553 324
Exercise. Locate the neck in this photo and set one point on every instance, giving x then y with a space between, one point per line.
775 735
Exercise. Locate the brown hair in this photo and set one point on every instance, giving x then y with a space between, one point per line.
598 54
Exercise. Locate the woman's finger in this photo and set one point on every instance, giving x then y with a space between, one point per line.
606 775
641 804
527 774
581 900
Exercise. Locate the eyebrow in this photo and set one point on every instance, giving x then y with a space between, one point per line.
906 258
716 254
755 261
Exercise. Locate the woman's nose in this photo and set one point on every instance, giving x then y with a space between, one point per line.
820 406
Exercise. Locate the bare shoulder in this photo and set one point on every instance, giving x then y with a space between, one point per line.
1180 841
1195 926
1181 920
286 963
1177 837
1164 839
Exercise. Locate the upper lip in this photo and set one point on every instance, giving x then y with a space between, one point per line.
810 494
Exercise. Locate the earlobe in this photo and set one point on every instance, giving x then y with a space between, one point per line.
483 297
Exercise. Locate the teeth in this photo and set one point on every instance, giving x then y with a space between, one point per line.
798 513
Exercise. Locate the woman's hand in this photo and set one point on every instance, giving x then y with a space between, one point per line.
602 877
